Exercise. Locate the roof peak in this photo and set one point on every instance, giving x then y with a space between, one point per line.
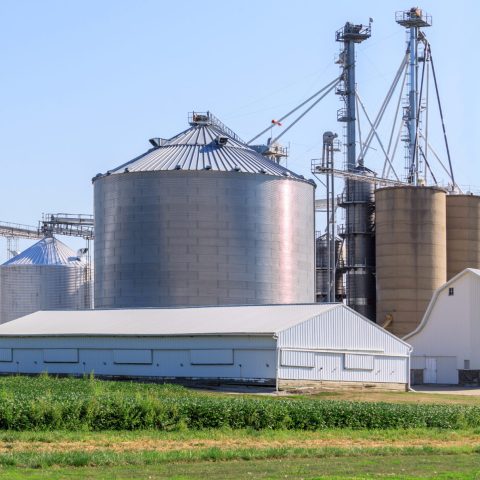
208 118
47 251
208 145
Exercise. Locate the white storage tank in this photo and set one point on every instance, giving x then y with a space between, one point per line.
46 276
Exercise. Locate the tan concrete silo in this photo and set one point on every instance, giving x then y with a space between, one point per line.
411 253
463 233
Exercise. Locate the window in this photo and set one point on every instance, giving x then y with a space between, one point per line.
451 292
466 364
359 362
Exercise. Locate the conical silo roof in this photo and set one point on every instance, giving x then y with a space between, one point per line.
200 147
48 251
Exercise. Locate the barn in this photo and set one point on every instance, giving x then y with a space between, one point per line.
322 345
445 344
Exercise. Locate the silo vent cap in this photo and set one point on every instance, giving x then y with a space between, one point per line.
158 142
221 140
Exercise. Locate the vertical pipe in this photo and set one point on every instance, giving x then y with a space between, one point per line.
329 265
412 100
351 113
333 247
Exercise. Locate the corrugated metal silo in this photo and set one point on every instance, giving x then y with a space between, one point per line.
203 219
463 233
411 253
46 276
321 276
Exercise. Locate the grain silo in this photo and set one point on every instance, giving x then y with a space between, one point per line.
46 276
322 269
359 233
410 253
203 219
463 233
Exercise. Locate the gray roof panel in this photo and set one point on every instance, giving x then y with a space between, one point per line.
196 149
224 320
48 251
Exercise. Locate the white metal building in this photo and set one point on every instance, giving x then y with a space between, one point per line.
288 344
446 343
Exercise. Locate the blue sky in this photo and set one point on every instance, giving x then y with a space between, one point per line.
86 83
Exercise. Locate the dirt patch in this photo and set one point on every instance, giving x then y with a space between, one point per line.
226 444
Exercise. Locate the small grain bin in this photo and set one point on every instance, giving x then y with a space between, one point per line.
46 276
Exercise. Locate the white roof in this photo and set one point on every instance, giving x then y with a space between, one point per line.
225 320
426 316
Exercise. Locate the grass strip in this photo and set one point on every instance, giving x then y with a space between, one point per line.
143 458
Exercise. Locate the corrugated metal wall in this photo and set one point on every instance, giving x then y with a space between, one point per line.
202 238
251 358
339 345
330 366
341 329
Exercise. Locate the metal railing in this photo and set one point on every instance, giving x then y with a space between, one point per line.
74 225
207 118
18 230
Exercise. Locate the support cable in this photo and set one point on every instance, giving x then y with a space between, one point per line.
374 130
306 111
441 163
333 82
441 114
381 112
394 125
427 165
427 103
397 141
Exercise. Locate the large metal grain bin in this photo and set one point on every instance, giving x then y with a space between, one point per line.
46 276
463 233
203 219
411 253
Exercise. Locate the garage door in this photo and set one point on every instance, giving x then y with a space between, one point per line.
441 370
447 372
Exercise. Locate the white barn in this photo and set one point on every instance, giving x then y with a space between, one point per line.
446 343
287 345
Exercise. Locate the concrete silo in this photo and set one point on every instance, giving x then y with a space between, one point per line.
463 233
203 219
411 253
46 276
